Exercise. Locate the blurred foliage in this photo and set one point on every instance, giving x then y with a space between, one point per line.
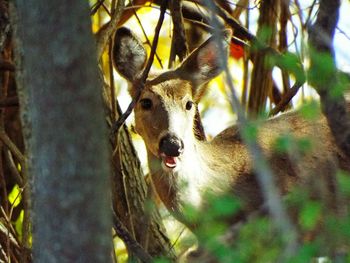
255 240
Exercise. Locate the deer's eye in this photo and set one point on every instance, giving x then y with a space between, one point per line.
146 104
189 105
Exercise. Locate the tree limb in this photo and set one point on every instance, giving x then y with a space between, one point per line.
326 81
107 30
142 80
132 244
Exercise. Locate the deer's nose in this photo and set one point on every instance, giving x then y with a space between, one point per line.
171 145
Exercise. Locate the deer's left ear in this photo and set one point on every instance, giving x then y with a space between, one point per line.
206 62
129 54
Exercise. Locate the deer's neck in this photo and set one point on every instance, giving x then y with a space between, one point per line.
201 168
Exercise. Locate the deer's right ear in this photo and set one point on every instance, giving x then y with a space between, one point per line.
206 62
129 54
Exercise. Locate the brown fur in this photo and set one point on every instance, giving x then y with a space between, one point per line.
224 164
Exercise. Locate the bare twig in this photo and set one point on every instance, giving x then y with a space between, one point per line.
286 99
139 84
240 31
264 173
178 42
131 243
96 6
104 34
111 81
240 7
245 65
308 18
12 147
13 168
148 42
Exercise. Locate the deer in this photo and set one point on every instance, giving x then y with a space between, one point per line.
184 167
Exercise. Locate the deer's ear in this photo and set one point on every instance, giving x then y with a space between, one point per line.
129 54
206 62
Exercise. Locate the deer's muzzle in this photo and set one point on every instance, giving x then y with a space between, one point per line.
171 145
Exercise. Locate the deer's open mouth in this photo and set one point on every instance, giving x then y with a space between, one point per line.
168 161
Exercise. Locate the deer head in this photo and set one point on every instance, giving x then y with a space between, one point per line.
165 112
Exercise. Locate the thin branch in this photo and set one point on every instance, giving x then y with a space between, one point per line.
140 83
111 81
178 42
343 33
131 8
13 168
308 18
287 97
104 34
12 147
240 7
245 65
148 42
264 172
96 6
131 243
240 31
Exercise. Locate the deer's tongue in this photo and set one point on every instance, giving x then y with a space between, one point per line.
169 161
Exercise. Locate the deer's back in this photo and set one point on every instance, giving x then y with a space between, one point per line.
310 158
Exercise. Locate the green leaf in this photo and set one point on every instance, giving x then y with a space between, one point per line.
322 71
310 111
224 206
304 145
283 143
305 253
343 179
250 132
309 214
161 260
291 63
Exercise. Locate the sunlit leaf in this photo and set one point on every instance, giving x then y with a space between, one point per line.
15 196
19 224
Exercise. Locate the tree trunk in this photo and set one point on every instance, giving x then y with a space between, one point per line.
64 131
261 81
327 82
131 193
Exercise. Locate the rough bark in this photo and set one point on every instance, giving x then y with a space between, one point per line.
64 131
326 83
131 193
261 81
